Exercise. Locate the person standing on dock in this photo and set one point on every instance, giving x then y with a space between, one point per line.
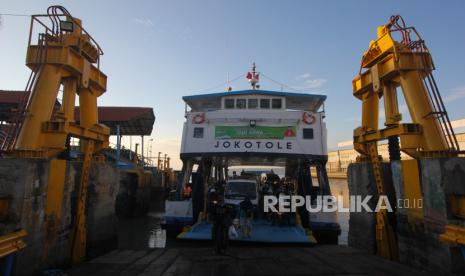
219 216
246 215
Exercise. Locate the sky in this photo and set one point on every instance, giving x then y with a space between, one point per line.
158 51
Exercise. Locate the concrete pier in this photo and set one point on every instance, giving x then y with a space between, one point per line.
48 243
417 230
362 224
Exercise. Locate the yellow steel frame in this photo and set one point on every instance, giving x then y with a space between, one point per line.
454 234
65 60
385 235
69 60
12 243
55 190
390 65
79 238
412 189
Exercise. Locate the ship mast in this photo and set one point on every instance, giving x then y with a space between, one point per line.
253 77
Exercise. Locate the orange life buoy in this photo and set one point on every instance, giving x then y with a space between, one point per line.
199 118
308 118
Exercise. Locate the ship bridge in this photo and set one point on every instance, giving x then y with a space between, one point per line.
254 127
255 100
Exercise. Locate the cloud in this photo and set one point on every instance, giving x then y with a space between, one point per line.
182 34
456 93
303 76
314 83
308 82
145 21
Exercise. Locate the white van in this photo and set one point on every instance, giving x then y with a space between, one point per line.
236 190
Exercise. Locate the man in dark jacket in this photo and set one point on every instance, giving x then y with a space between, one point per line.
219 215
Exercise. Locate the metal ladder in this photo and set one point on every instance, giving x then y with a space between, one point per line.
79 228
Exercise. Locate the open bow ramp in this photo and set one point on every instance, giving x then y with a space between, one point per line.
262 231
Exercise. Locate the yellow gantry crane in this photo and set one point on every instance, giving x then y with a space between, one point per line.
65 58
390 64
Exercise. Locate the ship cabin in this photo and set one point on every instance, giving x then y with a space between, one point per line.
252 127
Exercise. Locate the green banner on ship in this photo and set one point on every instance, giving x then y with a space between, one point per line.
257 132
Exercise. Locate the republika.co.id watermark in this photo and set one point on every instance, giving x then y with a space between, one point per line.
328 203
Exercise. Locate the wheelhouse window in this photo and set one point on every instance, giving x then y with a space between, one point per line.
253 103
241 103
307 133
198 132
276 103
241 190
229 103
264 103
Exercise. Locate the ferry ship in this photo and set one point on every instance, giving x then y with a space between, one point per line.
254 128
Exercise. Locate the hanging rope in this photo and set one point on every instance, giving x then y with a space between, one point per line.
282 84
224 84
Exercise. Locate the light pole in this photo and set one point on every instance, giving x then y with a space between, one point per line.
130 147
149 153
135 153
164 161
147 156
